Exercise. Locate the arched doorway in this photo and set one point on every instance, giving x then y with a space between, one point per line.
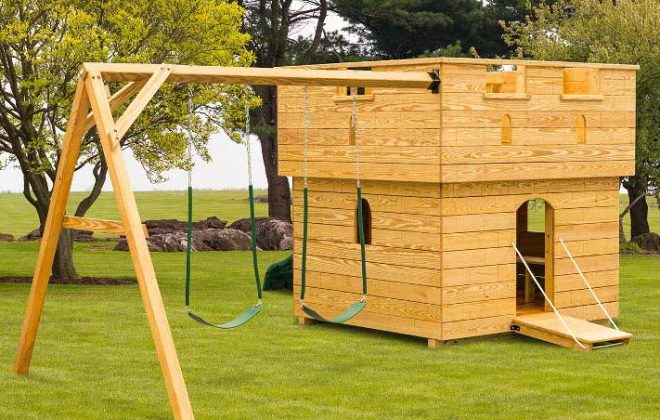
535 241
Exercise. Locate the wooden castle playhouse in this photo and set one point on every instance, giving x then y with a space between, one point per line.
447 179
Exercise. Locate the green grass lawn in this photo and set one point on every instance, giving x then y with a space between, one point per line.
94 357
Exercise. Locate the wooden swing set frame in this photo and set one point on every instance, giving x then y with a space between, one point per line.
93 106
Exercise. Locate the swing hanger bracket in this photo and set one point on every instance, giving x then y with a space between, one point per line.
434 87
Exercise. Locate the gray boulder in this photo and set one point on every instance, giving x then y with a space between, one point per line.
203 240
272 234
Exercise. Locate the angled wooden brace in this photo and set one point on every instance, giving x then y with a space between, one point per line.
136 107
118 99
144 270
53 226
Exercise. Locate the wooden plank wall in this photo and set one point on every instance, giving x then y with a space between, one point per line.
478 227
398 129
544 126
403 261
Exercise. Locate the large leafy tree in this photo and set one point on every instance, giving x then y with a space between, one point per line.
273 25
608 31
42 46
409 28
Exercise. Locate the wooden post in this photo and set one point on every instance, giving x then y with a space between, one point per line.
53 227
137 243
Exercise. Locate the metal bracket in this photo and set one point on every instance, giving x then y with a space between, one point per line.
515 328
434 87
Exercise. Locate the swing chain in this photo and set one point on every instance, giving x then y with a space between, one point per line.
306 119
247 136
354 127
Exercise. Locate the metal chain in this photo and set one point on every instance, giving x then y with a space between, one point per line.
306 118
247 138
190 138
354 123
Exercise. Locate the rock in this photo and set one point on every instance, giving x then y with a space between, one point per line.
159 227
261 199
221 240
648 241
35 235
5 237
272 234
210 223
203 240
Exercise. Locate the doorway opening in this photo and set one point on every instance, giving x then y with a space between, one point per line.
535 240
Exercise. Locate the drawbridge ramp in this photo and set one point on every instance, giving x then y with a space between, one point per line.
548 327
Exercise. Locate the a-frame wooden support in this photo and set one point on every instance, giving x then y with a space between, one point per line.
144 80
91 92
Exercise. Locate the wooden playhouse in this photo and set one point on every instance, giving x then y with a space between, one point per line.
447 181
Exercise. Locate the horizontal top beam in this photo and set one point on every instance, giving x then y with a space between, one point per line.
118 72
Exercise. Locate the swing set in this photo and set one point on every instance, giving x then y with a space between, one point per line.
142 83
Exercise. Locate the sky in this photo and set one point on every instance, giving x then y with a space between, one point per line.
228 170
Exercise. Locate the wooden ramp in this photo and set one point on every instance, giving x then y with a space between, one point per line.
547 327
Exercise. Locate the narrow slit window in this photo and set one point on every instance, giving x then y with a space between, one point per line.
366 221
506 129
581 129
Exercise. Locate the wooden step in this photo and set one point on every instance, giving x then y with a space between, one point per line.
546 326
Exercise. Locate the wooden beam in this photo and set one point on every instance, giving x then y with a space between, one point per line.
264 76
118 99
144 270
53 227
97 225
136 107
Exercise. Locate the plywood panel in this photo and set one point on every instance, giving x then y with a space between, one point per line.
477 257
478 275
583 296
382 220
478 292
379 271
573 281
466 155
531 171
382 288
476 310
375 253
371 171
476 327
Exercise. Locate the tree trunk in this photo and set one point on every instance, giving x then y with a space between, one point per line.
279 192
639 212
63 267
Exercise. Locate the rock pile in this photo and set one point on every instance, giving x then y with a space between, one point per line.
212 234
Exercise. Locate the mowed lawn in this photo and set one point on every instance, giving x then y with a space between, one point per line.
94 357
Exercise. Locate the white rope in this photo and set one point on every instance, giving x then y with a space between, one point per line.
561 318
588 285
354 123
306 118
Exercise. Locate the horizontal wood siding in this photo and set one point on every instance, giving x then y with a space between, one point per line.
543 126
403 261
478 228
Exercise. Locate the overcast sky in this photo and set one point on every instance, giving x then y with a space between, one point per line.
227 171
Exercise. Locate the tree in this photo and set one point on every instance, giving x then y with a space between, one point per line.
608 31
271 23
42 46
410 28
